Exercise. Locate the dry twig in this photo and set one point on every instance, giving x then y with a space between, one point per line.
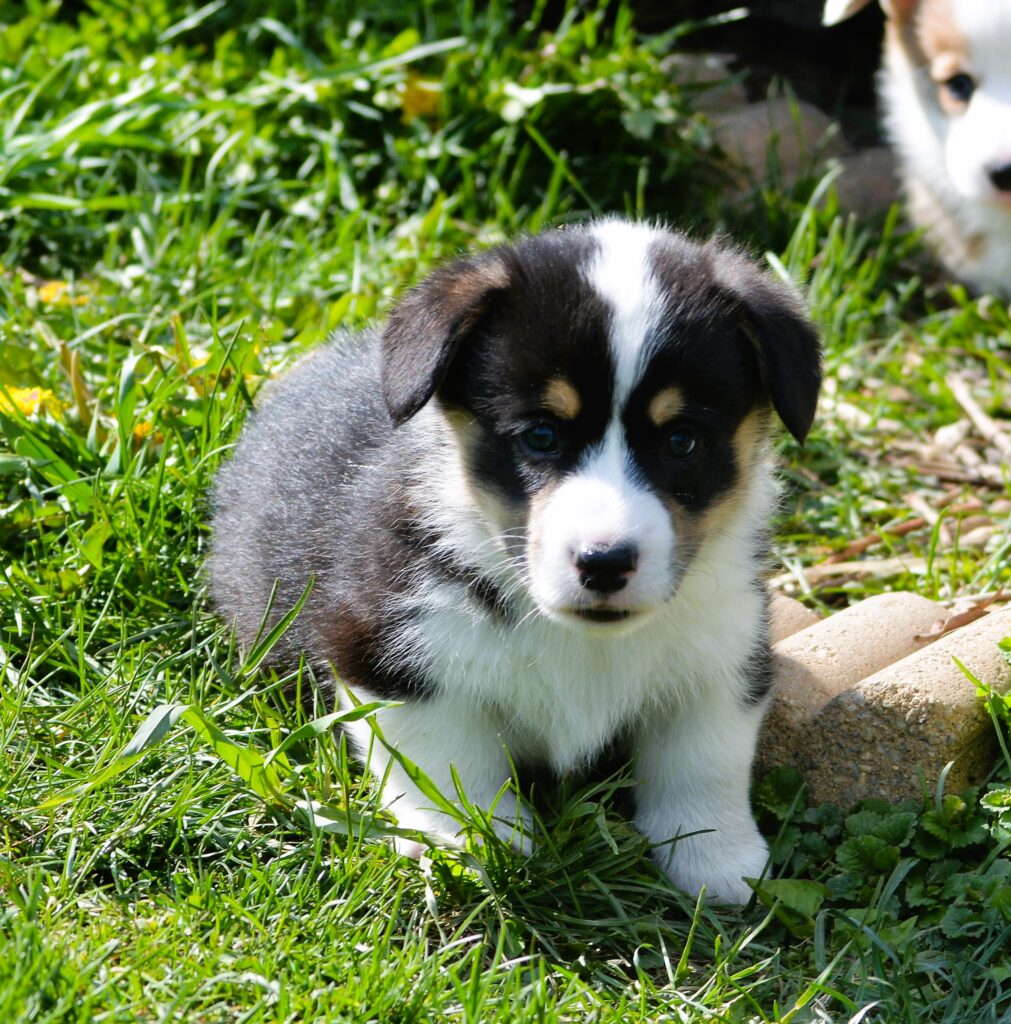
980 420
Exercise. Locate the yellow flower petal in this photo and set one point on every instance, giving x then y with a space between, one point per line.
30 401
52 291
421 97
56 293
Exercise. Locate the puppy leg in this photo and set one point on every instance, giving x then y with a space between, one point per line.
437 733
694 769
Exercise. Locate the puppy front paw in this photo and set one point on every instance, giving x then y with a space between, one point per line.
717 861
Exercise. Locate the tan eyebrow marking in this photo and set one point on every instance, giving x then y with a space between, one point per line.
561 398
665 405
946 66
939 32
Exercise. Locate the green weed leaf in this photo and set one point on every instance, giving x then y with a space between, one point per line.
153 730
93 541
867 855
894 828
247 762
324 725
956 822
794 902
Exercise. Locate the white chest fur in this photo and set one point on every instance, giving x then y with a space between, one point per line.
557 694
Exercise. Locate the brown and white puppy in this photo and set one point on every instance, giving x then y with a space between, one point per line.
945 87
535 507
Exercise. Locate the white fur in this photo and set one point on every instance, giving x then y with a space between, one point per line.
621 274
835 11
441 735
708 799
601 506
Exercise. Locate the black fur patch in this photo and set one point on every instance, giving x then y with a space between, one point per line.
361 640
720 292
424 330
549 324
759 664
548 792
711 412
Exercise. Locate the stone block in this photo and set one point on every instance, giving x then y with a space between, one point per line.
798 133
864 706
787 616
907 721
817 663
868 182
716 86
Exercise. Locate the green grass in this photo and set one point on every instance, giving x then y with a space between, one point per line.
189 199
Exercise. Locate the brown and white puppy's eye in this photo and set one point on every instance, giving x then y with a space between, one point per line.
956 91
955 85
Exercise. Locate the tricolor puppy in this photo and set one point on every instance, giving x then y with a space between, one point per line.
946 91
535 506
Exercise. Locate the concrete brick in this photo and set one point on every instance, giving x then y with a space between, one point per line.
818 663
787 616
723 90
868 182
876 737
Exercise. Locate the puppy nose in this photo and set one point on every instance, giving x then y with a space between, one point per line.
606 569
1000 176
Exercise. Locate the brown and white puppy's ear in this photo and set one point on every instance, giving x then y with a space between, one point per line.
771 317
835 11
425 329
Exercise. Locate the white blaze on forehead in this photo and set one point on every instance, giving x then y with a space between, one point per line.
986 27
601 504
622 275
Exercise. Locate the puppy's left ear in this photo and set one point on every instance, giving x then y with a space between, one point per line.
772 318
426 328
835 11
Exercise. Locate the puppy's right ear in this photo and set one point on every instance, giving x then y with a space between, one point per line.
425 329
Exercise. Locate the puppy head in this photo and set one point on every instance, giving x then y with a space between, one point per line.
966 46
958 55
612 389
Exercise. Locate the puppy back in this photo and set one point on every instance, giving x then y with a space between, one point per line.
280 504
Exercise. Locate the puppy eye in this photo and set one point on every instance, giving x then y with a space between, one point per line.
681 443
542 438
960 87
